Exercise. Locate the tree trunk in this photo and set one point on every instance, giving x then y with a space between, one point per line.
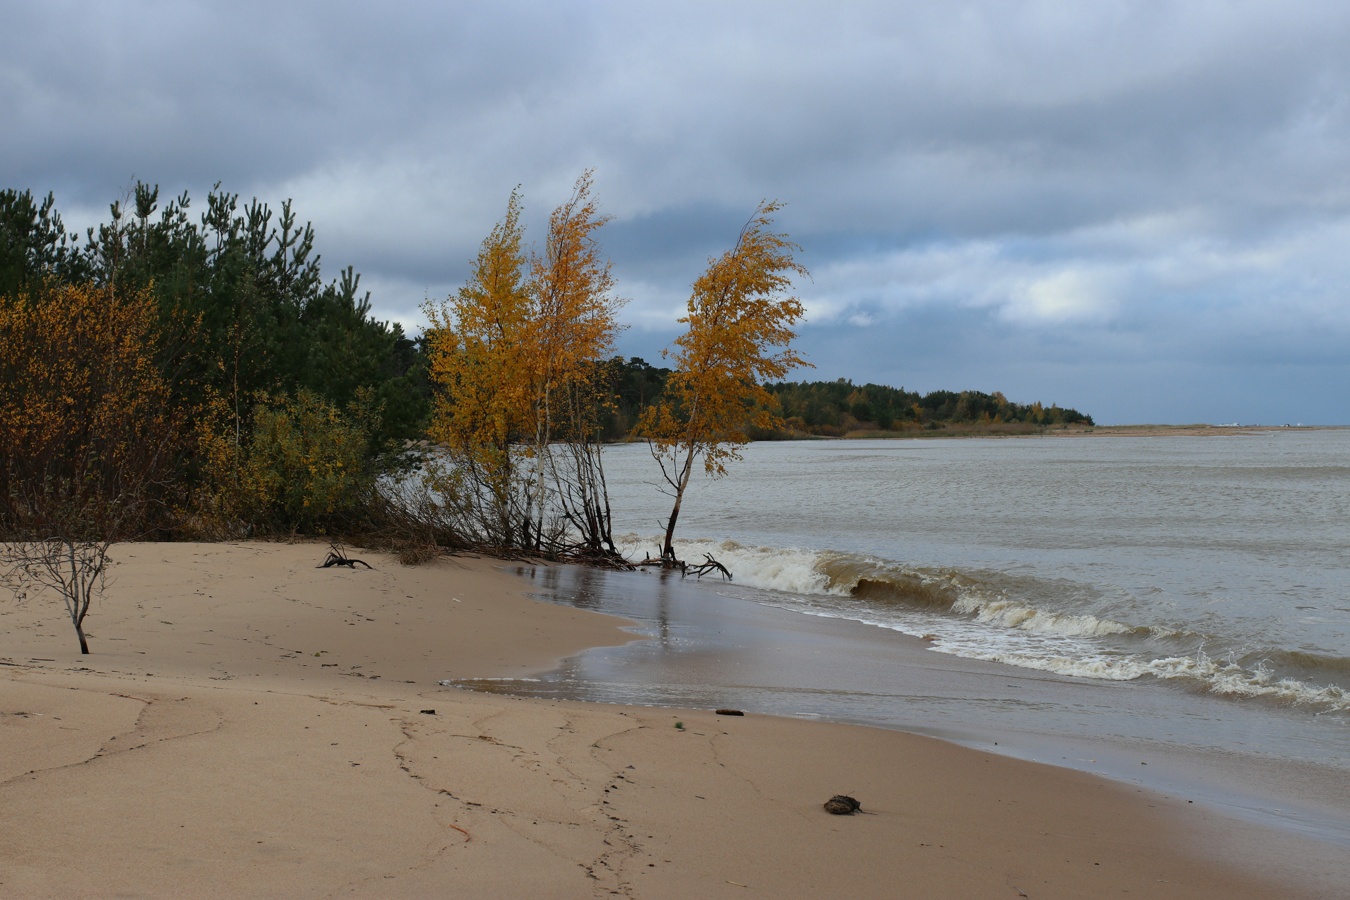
668 551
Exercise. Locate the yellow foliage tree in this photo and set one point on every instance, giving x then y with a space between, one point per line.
89 437
576 322
739 329
479 354
506 352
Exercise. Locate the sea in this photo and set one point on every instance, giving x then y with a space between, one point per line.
1170 611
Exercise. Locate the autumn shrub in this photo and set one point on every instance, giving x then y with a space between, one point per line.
90 436
407 517
307 466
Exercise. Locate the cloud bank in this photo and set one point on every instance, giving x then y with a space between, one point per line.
1134 208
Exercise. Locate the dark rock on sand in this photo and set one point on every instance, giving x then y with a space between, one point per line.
842 805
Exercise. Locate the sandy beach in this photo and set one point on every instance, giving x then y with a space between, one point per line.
250 725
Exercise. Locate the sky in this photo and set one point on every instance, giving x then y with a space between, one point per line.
1140 210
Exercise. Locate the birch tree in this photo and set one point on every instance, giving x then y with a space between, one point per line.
740 325
576 322
511 353
479 349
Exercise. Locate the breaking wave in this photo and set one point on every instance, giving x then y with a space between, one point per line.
1049 625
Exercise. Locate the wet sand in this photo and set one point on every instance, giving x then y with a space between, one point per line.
249 725
715 644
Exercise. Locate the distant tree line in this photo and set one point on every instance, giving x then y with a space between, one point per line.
839 408
288 399
836 408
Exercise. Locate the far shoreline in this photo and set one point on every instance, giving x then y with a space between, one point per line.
1016 431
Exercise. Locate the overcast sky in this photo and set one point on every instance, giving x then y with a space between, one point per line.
1137 209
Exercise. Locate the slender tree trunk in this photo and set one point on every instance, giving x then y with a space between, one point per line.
668 551
605 515
81 586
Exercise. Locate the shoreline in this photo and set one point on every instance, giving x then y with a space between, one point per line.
249 724
709 646
1142 430
1034 431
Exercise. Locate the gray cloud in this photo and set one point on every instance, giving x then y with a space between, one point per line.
1062 199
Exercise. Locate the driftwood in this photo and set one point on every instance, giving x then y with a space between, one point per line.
710 565
699 569
336 557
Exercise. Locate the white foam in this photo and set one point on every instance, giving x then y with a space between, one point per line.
1224 679
790 571
1010 614
1232 680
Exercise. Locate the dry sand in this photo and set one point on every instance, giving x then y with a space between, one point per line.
251 726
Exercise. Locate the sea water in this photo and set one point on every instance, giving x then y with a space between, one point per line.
1222 562
1102 602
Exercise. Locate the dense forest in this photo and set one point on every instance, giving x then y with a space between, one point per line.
241 300
182 373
